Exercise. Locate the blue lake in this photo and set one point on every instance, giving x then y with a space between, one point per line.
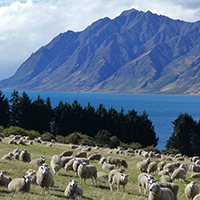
162 109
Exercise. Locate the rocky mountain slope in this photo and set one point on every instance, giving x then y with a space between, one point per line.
137 52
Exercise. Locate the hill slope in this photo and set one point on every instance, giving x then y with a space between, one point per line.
136 52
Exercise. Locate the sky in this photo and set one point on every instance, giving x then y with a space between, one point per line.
27 25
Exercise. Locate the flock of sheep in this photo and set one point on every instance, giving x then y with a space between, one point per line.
166 169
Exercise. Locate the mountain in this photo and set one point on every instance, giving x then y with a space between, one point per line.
137 52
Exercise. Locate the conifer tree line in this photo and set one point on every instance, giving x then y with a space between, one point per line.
66 118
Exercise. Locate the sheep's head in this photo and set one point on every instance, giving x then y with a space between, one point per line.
155 187
124 177
121 170
192 184
43 158
45 170
27 179
73 183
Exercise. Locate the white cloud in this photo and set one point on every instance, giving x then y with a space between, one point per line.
27 25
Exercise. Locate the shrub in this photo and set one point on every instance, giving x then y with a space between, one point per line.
114 142
75 138
33 134
136 145
88 141
47 136
61 139
1 129
15 130
152 148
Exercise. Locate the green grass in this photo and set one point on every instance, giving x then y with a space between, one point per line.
17 168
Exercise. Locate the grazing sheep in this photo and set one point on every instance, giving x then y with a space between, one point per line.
66 153
194 158
102 176
113 172
197 197
161 165
16 153
158 193
81 154
4 181
21 141
172 186
143 181
44 178
75 165
195 175
32 174
151 154
179 173
38 161
170 166
191 190
142 166
163 172
25 156
102 160
94 157
119 179
165 178
114 160
56 163
8 156
12 141
123 163
65 160
107 166
194 168
20 184
73 190
152 167
87 171
69 165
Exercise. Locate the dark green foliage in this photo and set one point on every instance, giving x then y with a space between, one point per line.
186 135
75 138
47 136
4 110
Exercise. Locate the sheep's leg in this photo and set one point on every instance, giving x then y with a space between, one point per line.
47 190
42 190
85 181
111 186
117 188
92 180
96 181
80 181
123 188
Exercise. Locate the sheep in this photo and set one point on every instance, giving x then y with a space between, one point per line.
73 190
102 160
163 172
81 154
87 171
102 176
191 190
69 165
16 153
66 160
170 166
66 153
152 167
12 141
44 178
123 163
119 179
194 168
179 173
107 166
161 165
20 184
151 154
143 181
158 193
8 156
25 156
75 165
94 157
194 158
165 178
4 181
114 160
195 175
172 186
32 174
56 163
38 161
113 172
197 197
21 141
142 166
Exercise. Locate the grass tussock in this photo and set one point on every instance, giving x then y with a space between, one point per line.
16 169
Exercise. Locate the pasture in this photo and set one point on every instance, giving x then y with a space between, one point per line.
16 169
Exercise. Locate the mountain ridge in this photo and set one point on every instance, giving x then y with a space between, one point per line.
136 52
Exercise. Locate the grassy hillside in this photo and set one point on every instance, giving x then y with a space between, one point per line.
17 168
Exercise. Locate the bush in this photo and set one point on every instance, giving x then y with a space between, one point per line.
114 142
136 145
47 136
88 141
152 148
75 138
15 130
61 139
1 129
33 134
170 151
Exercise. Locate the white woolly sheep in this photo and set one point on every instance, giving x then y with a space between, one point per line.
12 141
102 176
194 158
16 153
151 154
102 160
119 179
25 156
69 165
94 157
165 178
114 160
172 186
123 163
143 181
44 178
152 167
87 171
113 172
179 173
158 193
38 161
163 172
66 153
191 190
161 165
197 197
65 160
107 166
194 168
81 154
73 190
8 156
21 141
142 166
56 163
75 165
20 184
32 174
170 166
4 181
195 175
